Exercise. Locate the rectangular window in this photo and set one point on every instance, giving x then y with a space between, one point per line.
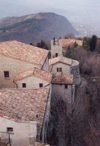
6 74
59 69
24 85
56 54
66 86
9 129
40 85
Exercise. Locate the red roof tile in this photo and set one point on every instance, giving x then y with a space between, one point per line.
35 72
23 52
62 79
23 104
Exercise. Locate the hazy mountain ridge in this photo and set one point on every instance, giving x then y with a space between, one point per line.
35 27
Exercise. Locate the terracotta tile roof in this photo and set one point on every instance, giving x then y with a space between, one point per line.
62 79
68 42
23 52
23 104
60 59
64 60
37 73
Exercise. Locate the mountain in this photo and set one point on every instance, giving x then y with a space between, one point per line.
34 27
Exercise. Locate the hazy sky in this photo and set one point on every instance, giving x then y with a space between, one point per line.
83 11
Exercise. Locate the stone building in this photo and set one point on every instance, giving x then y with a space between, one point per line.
27 108
21 133
33 79
63 88
59 47
65 66
56 48
17 57
70 43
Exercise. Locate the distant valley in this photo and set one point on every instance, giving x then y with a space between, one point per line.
34 27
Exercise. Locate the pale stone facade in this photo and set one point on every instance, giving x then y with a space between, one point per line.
33 79
14 64
32 83
27 105
59 46
14 67
23 134
24 64
62 88
56 48
65 66
59 91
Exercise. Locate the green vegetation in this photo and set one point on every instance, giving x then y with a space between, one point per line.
93 41
75 45
86 42
70 53
89 43
43 45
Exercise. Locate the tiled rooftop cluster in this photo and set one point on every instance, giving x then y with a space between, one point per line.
37 73
23 52
62 79
69 42
64 60
23 105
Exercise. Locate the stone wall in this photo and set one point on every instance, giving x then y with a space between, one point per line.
60 92
76 74
68 69
31 82
65 68
14 67
56 48
45 66
24 133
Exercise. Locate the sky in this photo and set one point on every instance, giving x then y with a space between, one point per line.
79 11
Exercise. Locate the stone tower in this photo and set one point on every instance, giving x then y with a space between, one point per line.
56 48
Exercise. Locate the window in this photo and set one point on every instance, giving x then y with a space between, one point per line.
24 85
37 116
66 86
56 54
9 129
59 69
6 74
40 85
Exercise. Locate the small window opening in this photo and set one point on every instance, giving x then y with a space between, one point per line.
9 129
37 116
59 69
40 85
24 85
66 86
6 74
56 54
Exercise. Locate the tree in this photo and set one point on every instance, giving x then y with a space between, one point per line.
86 43
43 45
93 42
69 52
75 45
